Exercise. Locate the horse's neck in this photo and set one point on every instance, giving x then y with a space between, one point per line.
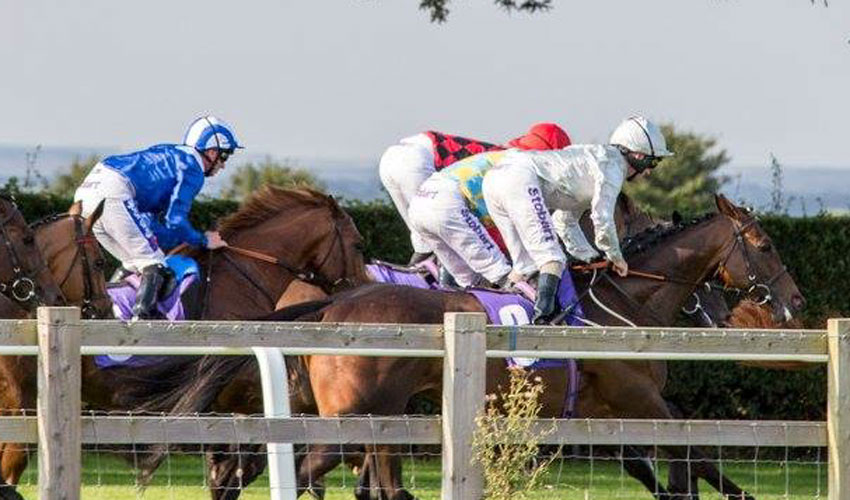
687 259
254 287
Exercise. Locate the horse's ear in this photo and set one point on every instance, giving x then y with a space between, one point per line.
726 207
677 217
91 219
76 209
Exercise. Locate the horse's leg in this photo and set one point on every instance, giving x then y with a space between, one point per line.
680 474
705 468
16 394
232 467
637 465
630 391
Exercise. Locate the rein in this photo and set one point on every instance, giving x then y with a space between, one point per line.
738 238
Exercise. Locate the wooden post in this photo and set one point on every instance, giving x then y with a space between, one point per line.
59 451
464 373
838 408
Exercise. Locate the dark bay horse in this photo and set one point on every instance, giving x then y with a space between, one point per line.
729 244
307 233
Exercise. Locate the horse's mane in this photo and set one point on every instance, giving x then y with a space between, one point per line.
655 235
270 201
48 219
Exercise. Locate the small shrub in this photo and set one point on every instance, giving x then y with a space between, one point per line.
505 442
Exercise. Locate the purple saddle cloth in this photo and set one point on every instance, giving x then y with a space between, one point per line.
124 296
422 276
502 308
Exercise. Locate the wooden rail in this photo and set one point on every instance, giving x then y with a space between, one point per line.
464 341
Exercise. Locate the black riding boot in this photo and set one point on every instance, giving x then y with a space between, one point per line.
547 290
152 279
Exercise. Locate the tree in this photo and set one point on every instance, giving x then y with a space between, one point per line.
685 182
439 11
65 184
249 177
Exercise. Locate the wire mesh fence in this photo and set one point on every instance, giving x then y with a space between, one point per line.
574 471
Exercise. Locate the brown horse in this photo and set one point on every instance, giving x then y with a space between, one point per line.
730 243
307 233
230 468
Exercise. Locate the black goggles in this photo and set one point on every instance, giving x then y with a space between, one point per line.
224 154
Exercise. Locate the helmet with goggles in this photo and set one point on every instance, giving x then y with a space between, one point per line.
208 132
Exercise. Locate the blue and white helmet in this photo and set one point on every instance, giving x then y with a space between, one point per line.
208 132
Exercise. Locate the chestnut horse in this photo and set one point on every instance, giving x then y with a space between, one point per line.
730 244
307 233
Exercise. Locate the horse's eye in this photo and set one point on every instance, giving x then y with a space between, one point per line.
765 246
29 239
99 263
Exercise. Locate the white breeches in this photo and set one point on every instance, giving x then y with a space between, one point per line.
122 230
439 214
403 168
515 202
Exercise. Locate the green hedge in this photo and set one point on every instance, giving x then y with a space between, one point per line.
815 249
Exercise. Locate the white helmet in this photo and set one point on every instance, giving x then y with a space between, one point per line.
639 135
208 132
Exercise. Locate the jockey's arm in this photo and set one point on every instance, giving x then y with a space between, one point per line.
602 208
176 220
568 229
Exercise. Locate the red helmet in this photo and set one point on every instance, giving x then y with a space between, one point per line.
542 136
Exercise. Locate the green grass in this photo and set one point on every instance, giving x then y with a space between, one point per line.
182 478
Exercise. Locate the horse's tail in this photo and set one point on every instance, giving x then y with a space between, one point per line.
203 379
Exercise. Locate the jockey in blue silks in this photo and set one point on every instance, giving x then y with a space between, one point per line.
147 196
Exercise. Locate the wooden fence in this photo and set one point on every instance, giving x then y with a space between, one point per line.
59 338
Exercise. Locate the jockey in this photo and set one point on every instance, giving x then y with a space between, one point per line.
522 189
406 165
147 196
448 213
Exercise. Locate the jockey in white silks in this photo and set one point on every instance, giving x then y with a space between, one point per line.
525 186
146 199
449 215
406 165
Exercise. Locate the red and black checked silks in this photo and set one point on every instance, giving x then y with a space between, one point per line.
451 148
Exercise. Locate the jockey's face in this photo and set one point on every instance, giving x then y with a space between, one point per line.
214 160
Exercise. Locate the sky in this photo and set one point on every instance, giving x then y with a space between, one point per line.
344 79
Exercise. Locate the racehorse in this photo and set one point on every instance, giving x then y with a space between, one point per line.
287 234
729 244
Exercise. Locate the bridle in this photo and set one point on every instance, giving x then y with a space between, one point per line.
88 309
754 285
21 287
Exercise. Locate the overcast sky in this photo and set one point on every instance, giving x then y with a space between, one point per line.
346 78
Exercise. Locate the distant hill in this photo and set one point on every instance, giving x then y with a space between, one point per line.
808 188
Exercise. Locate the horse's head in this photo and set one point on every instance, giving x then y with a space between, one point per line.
752 263
75 259
306 230
24 277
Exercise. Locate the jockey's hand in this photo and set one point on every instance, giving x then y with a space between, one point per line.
621 268
214 240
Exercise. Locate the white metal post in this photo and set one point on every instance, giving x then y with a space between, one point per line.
276 404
